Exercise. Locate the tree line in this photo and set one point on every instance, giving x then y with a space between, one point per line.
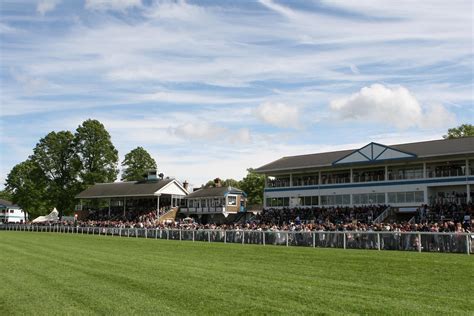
64 164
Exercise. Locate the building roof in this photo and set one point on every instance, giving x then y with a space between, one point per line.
213 192
124 189
433 148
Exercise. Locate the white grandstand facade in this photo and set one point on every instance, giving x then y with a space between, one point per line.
403 175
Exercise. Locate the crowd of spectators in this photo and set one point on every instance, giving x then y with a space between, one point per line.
436 218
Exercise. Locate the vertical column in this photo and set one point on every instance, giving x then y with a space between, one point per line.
124 203
468 186
386 173
351 175
158 207
291 179
424 171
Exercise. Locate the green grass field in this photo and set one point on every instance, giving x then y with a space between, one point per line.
47 273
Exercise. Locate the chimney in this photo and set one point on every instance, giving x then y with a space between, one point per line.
185 185
217 183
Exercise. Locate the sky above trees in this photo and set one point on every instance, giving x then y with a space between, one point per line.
211 88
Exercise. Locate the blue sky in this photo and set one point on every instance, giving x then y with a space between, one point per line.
211 88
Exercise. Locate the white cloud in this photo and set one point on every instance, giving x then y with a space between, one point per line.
354 69
278 114
199 131
119 5
395 106
45 6
242 136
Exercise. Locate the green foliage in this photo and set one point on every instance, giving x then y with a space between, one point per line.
28 187
137 162
253 184
5 195
463 130
54 155
225 183
97 156
134 276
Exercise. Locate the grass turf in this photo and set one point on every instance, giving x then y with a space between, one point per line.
47 273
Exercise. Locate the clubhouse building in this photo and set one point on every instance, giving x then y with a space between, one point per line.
403 175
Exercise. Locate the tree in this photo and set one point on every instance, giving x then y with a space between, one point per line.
253 184
137 162
226 183
5 195
463 130
97 156
27 184
55 156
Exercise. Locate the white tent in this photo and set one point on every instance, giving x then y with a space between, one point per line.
51 217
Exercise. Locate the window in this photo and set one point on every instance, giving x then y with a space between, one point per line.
405 172
368 198
446 169
204 203
368 175
231 200
406 197
11 211
419 196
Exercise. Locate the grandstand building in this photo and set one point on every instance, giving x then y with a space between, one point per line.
129 198
404 175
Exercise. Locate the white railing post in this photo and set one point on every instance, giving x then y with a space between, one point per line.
378 241
243 237
314 240
209 236
193 235
180 234
263 237
225 236
344 240
146 233
136 232
419 242
287 239
468 246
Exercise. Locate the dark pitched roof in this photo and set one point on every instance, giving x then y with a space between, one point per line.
123 189
6 203
424 149
213 192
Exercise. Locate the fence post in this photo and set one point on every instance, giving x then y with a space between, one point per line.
180 234
209 236
243 237
344 240
225 236
468 246
287 239
419 242
378 241
146 233
168 234
193 235
314 240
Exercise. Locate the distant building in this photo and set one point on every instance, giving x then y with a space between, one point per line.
214 203
11 213
401 175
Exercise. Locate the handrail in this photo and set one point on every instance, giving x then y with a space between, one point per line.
383 216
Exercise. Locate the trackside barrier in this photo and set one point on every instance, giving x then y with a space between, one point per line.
402 241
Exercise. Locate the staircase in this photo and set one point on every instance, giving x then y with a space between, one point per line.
170 215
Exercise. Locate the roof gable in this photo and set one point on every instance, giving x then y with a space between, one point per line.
373 152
